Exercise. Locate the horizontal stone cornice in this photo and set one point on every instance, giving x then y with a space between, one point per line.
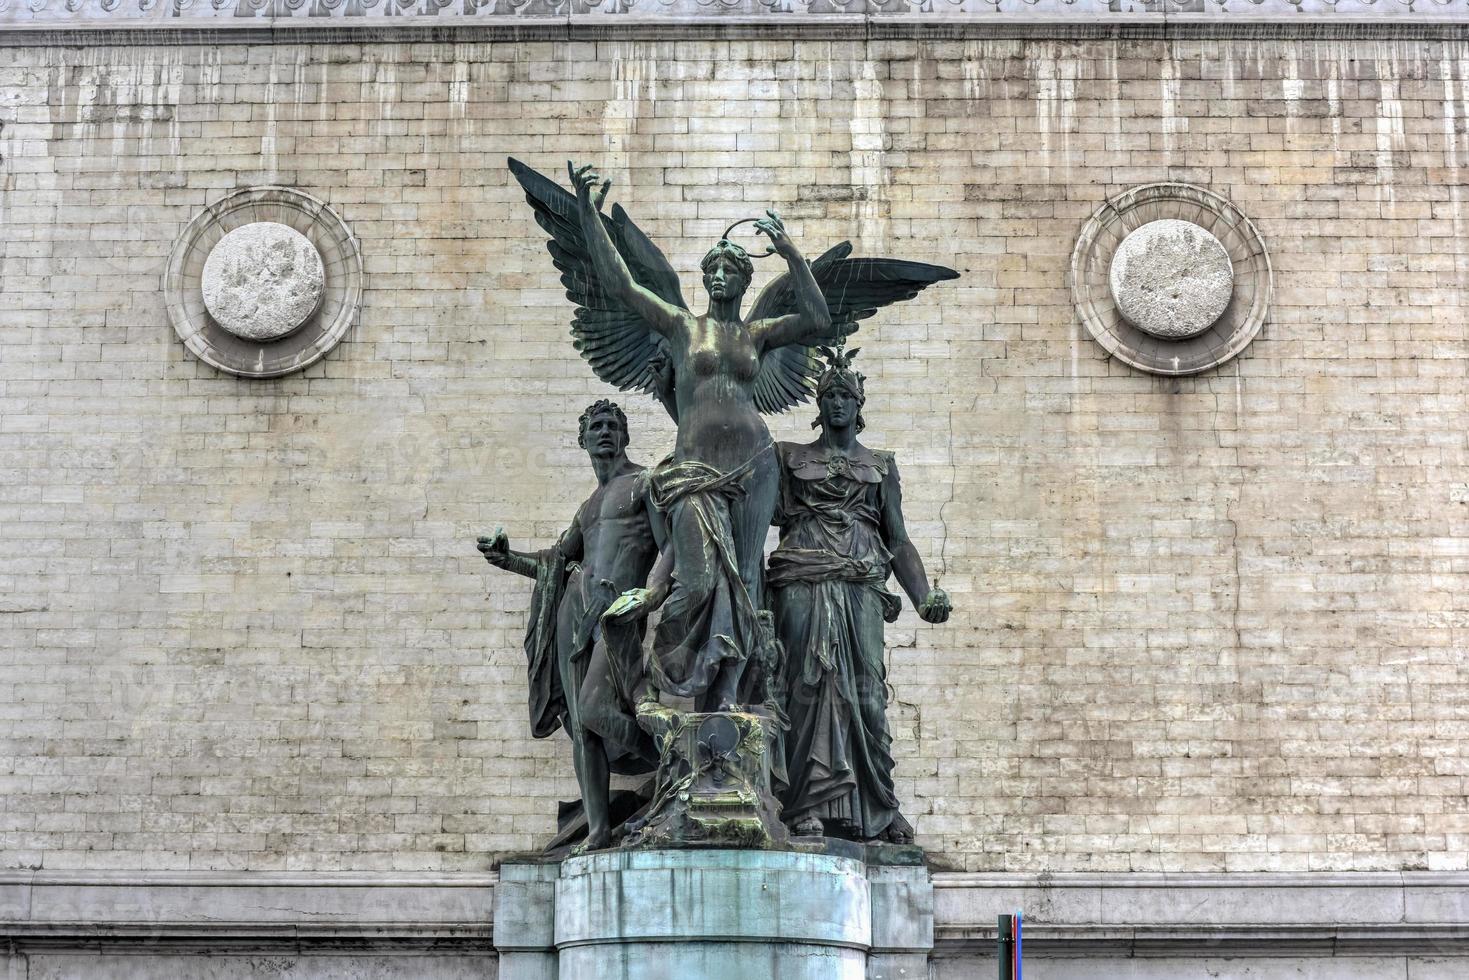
253 879
1222 879
1206 915
57 23
246 911
1244 914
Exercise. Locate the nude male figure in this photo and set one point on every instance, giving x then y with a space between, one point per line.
595 686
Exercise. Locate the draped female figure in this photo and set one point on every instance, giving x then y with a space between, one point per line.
719 485
841 535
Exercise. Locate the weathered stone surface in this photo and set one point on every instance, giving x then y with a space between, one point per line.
1171 278
263 280
323 329
747 895
525 921
1211 968
330 966
734 915
1238 314
1203 623
1277 923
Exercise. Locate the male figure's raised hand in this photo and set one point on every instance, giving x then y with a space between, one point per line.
496 549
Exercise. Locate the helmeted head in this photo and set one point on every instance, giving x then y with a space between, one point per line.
603 429
728 271
839 391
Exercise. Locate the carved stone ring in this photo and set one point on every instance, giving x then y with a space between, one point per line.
748 221
1171 279
264 282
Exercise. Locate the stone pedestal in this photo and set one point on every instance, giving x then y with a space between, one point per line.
826 913
713 784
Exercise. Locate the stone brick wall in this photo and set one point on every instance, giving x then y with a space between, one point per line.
1215 623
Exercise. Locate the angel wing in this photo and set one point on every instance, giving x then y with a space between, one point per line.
620 346
854 289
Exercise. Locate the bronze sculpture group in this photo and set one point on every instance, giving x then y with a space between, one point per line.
801 640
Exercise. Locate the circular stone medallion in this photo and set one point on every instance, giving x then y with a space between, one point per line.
285 283
1171 279
263 281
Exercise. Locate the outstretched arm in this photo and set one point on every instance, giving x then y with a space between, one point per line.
612 270
813 323
497 551
932 604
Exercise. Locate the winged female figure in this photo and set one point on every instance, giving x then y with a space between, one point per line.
715 372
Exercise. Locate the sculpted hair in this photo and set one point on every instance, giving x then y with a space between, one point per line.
602 407
728 249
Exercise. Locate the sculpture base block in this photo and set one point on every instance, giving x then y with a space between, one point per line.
713 787
715 914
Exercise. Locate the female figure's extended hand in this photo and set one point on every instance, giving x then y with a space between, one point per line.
773 228
935 607
584 179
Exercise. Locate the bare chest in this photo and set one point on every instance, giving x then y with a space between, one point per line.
615 527
619 499
717 348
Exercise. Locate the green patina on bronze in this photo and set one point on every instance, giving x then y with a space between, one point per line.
841 535
818 740
713 787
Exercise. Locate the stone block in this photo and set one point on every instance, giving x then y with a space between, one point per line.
747 914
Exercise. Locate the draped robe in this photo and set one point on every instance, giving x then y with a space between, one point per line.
827 585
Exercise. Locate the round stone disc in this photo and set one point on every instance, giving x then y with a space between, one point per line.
1171 278
263 281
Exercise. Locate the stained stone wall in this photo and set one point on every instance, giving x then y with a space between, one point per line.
1204 624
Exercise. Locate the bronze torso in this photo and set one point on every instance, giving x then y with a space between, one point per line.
714 374
616 544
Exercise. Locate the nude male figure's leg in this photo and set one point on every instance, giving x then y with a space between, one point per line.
588 752
608 711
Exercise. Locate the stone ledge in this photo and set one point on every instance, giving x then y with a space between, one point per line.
246 911
1056 942
1245 914
1067 915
